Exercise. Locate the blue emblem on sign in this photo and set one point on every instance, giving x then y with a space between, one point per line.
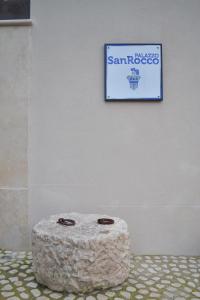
134 78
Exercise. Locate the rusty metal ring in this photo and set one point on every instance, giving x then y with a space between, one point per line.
66 222
105 221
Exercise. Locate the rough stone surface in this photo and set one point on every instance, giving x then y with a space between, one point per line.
83 257
167 285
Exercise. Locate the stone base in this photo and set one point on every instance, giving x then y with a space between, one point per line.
83 257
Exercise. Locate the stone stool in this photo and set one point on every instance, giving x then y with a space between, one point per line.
81 257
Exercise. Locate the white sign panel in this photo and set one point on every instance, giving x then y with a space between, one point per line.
133 72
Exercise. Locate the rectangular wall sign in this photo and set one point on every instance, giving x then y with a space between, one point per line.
133 72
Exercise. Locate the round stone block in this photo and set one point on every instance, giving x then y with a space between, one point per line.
83 256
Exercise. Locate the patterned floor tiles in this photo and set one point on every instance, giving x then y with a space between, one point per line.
151 278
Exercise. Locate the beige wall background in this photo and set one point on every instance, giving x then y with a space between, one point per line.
14 98
138 161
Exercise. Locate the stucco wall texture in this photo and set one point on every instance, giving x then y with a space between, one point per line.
14 98
139 161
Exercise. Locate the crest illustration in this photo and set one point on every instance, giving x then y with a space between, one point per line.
134 78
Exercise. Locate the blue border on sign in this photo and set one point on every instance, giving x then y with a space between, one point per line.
132 99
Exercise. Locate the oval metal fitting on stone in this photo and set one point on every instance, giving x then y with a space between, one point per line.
66 222
105 221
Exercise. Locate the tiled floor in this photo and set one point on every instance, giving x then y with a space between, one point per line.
151 277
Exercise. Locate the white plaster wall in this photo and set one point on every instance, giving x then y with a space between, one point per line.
14 97
138 161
